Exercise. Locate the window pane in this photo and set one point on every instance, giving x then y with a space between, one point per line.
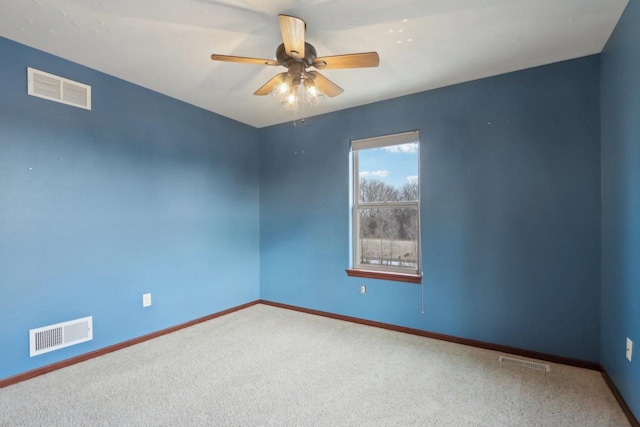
388 173
388 236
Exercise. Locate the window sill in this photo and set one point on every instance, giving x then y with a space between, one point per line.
385 275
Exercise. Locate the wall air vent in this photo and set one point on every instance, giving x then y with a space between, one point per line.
53 337
527 364
58 89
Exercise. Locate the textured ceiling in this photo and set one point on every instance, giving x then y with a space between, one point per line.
423 44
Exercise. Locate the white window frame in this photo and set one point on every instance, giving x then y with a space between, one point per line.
379 142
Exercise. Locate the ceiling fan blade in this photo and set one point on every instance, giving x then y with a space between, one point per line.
268 86
354 60
325 85
243 59
292 30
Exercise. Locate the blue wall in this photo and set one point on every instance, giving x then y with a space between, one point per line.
510 184
142 194
621 204
147 194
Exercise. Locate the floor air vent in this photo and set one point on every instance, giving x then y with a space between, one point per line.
58 89
527 364
53 337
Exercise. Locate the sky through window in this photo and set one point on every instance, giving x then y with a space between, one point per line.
394 165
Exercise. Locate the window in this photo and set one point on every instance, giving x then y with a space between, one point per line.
386 208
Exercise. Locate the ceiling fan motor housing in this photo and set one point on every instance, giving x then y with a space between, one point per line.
284 59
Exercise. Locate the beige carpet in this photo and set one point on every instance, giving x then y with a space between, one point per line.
265 366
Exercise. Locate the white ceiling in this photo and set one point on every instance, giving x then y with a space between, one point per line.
423 44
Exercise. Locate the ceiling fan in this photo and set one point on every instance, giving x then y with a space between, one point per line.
297 55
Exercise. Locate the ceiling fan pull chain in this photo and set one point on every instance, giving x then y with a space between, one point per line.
304 93
294 118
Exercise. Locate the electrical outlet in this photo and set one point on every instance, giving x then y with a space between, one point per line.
363 289
146 300
629 349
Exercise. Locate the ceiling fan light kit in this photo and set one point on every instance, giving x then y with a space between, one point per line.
296 56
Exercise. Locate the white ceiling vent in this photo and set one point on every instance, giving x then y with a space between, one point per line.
58 89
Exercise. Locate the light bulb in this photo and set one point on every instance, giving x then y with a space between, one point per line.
312 90
280 91
314 96
290 101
